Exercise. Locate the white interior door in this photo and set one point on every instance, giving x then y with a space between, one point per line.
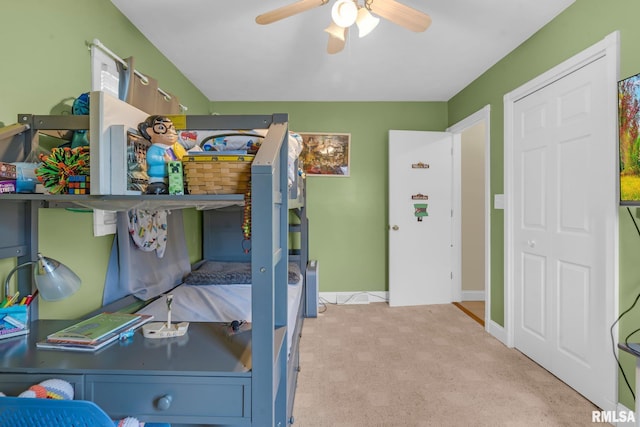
562 187
420 203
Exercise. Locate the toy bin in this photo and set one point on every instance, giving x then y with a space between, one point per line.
26 179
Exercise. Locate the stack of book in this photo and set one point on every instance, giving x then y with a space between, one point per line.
96 332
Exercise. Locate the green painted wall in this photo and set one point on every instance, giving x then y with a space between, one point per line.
583 24
348 215
45 65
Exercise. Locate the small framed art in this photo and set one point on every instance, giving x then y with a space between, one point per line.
326 154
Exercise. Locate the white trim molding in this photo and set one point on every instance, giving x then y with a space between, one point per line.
473 295
482 115
358 297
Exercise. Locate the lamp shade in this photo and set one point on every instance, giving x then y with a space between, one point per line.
366 22
54 280
344 13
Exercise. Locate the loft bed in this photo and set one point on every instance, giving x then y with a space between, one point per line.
210 376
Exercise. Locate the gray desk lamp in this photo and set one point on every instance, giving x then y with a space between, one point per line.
54 280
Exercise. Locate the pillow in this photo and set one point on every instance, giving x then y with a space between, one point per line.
231 273
294 273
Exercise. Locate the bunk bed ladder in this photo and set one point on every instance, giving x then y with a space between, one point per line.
269 265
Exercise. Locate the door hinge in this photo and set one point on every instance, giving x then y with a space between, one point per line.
452 275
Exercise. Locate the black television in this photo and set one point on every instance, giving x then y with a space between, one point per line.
629 140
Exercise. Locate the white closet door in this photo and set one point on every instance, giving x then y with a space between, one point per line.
562 188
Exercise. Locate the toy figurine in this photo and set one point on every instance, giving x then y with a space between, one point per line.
165 329
159 130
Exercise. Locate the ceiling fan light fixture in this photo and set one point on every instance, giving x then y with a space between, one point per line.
335 44
336 31
344 13
366 22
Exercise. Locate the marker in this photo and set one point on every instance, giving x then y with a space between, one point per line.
12 300
31 297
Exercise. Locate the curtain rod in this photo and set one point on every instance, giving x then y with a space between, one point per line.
106 50
12 130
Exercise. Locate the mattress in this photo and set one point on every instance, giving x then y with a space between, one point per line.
219 303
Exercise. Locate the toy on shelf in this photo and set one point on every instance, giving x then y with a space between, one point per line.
159 130
56 168
165 330
80 107
165 147
79 184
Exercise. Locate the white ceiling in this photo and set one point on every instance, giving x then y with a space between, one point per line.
218 46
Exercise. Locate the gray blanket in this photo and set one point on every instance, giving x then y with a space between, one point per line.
231 273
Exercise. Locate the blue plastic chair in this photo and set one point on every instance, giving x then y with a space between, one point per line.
28 412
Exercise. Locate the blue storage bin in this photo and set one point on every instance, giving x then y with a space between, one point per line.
26 178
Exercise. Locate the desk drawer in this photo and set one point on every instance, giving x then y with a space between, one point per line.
171 398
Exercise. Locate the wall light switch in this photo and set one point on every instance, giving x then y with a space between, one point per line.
498 201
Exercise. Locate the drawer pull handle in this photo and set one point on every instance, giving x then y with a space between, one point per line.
164 402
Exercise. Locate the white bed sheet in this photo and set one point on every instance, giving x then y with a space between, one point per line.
219 303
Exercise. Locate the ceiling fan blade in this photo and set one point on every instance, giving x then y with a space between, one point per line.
403 15
336 44
289 10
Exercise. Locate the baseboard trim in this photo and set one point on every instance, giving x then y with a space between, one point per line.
498 332
362 297
473 296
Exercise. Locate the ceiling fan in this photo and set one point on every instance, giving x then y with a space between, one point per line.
345 13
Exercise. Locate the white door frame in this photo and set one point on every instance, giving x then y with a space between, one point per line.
608 49
482 115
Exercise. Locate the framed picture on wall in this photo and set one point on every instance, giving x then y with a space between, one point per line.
326 154
629 140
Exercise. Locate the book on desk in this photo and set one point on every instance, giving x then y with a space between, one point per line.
94 333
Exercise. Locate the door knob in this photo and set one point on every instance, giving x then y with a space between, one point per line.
395 227
531 243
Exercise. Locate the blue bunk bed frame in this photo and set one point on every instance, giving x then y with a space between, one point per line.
273 372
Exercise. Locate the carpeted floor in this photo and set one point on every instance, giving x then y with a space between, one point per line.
373 365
